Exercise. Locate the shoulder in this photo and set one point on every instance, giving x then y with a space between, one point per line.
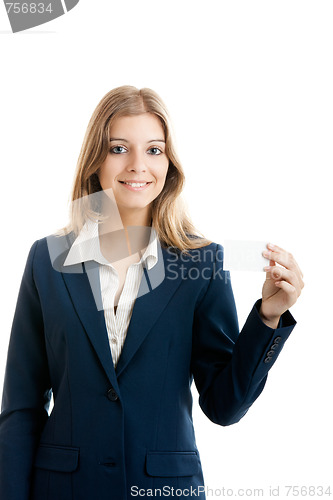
207 255
206 249
51 249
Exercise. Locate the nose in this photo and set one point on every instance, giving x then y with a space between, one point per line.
136 162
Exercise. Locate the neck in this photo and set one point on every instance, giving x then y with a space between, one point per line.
133 225
135 217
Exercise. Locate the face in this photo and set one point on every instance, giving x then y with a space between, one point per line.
136 166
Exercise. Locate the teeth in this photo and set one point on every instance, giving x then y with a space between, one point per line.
136 184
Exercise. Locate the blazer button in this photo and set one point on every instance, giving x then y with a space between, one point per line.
270 353
112 395
268 359
277 340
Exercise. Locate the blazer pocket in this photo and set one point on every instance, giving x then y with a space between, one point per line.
57 458
172 463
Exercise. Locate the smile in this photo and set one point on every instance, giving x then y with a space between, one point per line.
135 186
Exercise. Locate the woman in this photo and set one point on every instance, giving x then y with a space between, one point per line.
117 314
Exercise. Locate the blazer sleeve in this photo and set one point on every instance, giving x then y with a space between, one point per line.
26 392
230 368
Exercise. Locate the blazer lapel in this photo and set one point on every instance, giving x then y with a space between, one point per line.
82 288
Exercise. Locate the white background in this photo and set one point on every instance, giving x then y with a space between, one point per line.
249 87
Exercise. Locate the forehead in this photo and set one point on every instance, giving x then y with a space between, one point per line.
143 127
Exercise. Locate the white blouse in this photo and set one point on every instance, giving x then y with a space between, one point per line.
87 247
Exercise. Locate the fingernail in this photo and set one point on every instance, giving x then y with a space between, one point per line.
266 254
271 246
267 268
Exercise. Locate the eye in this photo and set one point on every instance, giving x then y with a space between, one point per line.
155 151
117 150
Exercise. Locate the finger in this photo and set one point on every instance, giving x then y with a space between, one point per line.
274 247
292 276
289 289
280 273
284 258
268 268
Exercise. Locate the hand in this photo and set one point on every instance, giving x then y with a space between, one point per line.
282 287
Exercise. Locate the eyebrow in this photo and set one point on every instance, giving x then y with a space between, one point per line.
125 140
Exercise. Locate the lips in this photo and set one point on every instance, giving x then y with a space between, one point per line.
135 185
135 182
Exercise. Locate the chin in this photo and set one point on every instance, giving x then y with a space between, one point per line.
132 207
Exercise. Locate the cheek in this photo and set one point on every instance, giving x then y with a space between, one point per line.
107 171
162 172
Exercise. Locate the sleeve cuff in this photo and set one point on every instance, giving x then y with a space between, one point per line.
286 318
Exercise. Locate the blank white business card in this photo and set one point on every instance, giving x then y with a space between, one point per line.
244 255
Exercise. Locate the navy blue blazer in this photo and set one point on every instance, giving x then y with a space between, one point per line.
113 432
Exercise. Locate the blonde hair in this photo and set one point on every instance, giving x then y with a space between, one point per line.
169 216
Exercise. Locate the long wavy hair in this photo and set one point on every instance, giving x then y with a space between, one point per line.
169 212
